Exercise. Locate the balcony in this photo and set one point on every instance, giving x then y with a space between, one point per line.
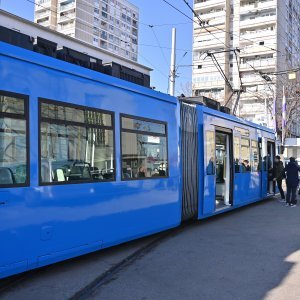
258 21
65 7
66 17
67 26
257 6
251 80
45 23
43 13
209 42
258 64
257 49
213 15
207 46
42 6
209 84
257 35
212 22
204 5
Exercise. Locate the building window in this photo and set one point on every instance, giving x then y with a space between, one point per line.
144 148
76 144
14 152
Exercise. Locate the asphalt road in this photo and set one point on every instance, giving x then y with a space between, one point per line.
251 253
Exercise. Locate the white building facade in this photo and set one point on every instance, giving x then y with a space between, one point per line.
108 24
267 36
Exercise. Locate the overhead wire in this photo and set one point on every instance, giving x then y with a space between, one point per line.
158 43
203 22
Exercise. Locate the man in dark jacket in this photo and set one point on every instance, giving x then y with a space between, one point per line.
292 180
278 175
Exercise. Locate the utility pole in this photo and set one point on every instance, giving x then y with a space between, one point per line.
172 76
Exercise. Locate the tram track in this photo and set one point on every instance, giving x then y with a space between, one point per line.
111 273
93 287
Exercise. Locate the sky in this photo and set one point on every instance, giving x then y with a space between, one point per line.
154 43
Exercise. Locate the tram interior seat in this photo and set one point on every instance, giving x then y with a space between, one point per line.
108 175
6 176
79 173
95 172
59 175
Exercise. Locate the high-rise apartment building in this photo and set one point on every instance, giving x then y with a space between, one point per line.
247 37
109 24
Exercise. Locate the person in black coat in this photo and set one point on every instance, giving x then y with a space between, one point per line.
278 175
292 180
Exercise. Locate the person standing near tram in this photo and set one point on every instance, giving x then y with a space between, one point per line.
292 181
278 176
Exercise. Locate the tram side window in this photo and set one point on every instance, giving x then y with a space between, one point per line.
237 162
77 144
255 156
144 148
245 155
13 141
210 152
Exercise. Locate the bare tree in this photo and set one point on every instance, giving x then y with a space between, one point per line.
273 93
292 94
187 88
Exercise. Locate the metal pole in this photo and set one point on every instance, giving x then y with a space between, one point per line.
173 64
283 116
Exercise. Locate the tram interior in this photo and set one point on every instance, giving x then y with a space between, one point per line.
223 174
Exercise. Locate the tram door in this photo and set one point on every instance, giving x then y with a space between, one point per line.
270 164
218 177
268 154
224 163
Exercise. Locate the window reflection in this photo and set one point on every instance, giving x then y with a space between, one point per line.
237 162
72 152
255 156
12 105
142 125
144 155
210 152
245 155
13 142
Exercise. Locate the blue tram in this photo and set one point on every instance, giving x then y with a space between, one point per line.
88 161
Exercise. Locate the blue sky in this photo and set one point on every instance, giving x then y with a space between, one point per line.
152 12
